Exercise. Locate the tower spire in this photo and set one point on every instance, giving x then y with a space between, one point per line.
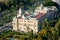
19 13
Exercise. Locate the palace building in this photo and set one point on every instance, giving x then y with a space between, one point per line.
25 22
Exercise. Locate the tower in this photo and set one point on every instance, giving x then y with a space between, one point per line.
41 6
19 13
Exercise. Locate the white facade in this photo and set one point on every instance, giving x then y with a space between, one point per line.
44 10
14 24
24 25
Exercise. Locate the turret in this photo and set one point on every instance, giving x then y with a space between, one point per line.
19 13
41 6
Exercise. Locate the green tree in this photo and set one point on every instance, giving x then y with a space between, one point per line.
48 3
54 33
31 35
46 24
57 26
42 34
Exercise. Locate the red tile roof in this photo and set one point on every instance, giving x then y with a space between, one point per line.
39 15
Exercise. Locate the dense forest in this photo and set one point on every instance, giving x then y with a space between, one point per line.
9 8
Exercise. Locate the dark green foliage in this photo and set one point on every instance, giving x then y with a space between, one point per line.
31 35
8 8
50 3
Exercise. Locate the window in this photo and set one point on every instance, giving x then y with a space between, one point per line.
14 23
20 23
34 26
20 27
30 25
25 24
24 28
14 27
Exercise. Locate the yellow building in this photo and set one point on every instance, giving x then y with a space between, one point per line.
25 25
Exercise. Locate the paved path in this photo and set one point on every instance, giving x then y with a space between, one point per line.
7 26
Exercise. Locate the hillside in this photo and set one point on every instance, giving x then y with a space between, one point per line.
8 8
